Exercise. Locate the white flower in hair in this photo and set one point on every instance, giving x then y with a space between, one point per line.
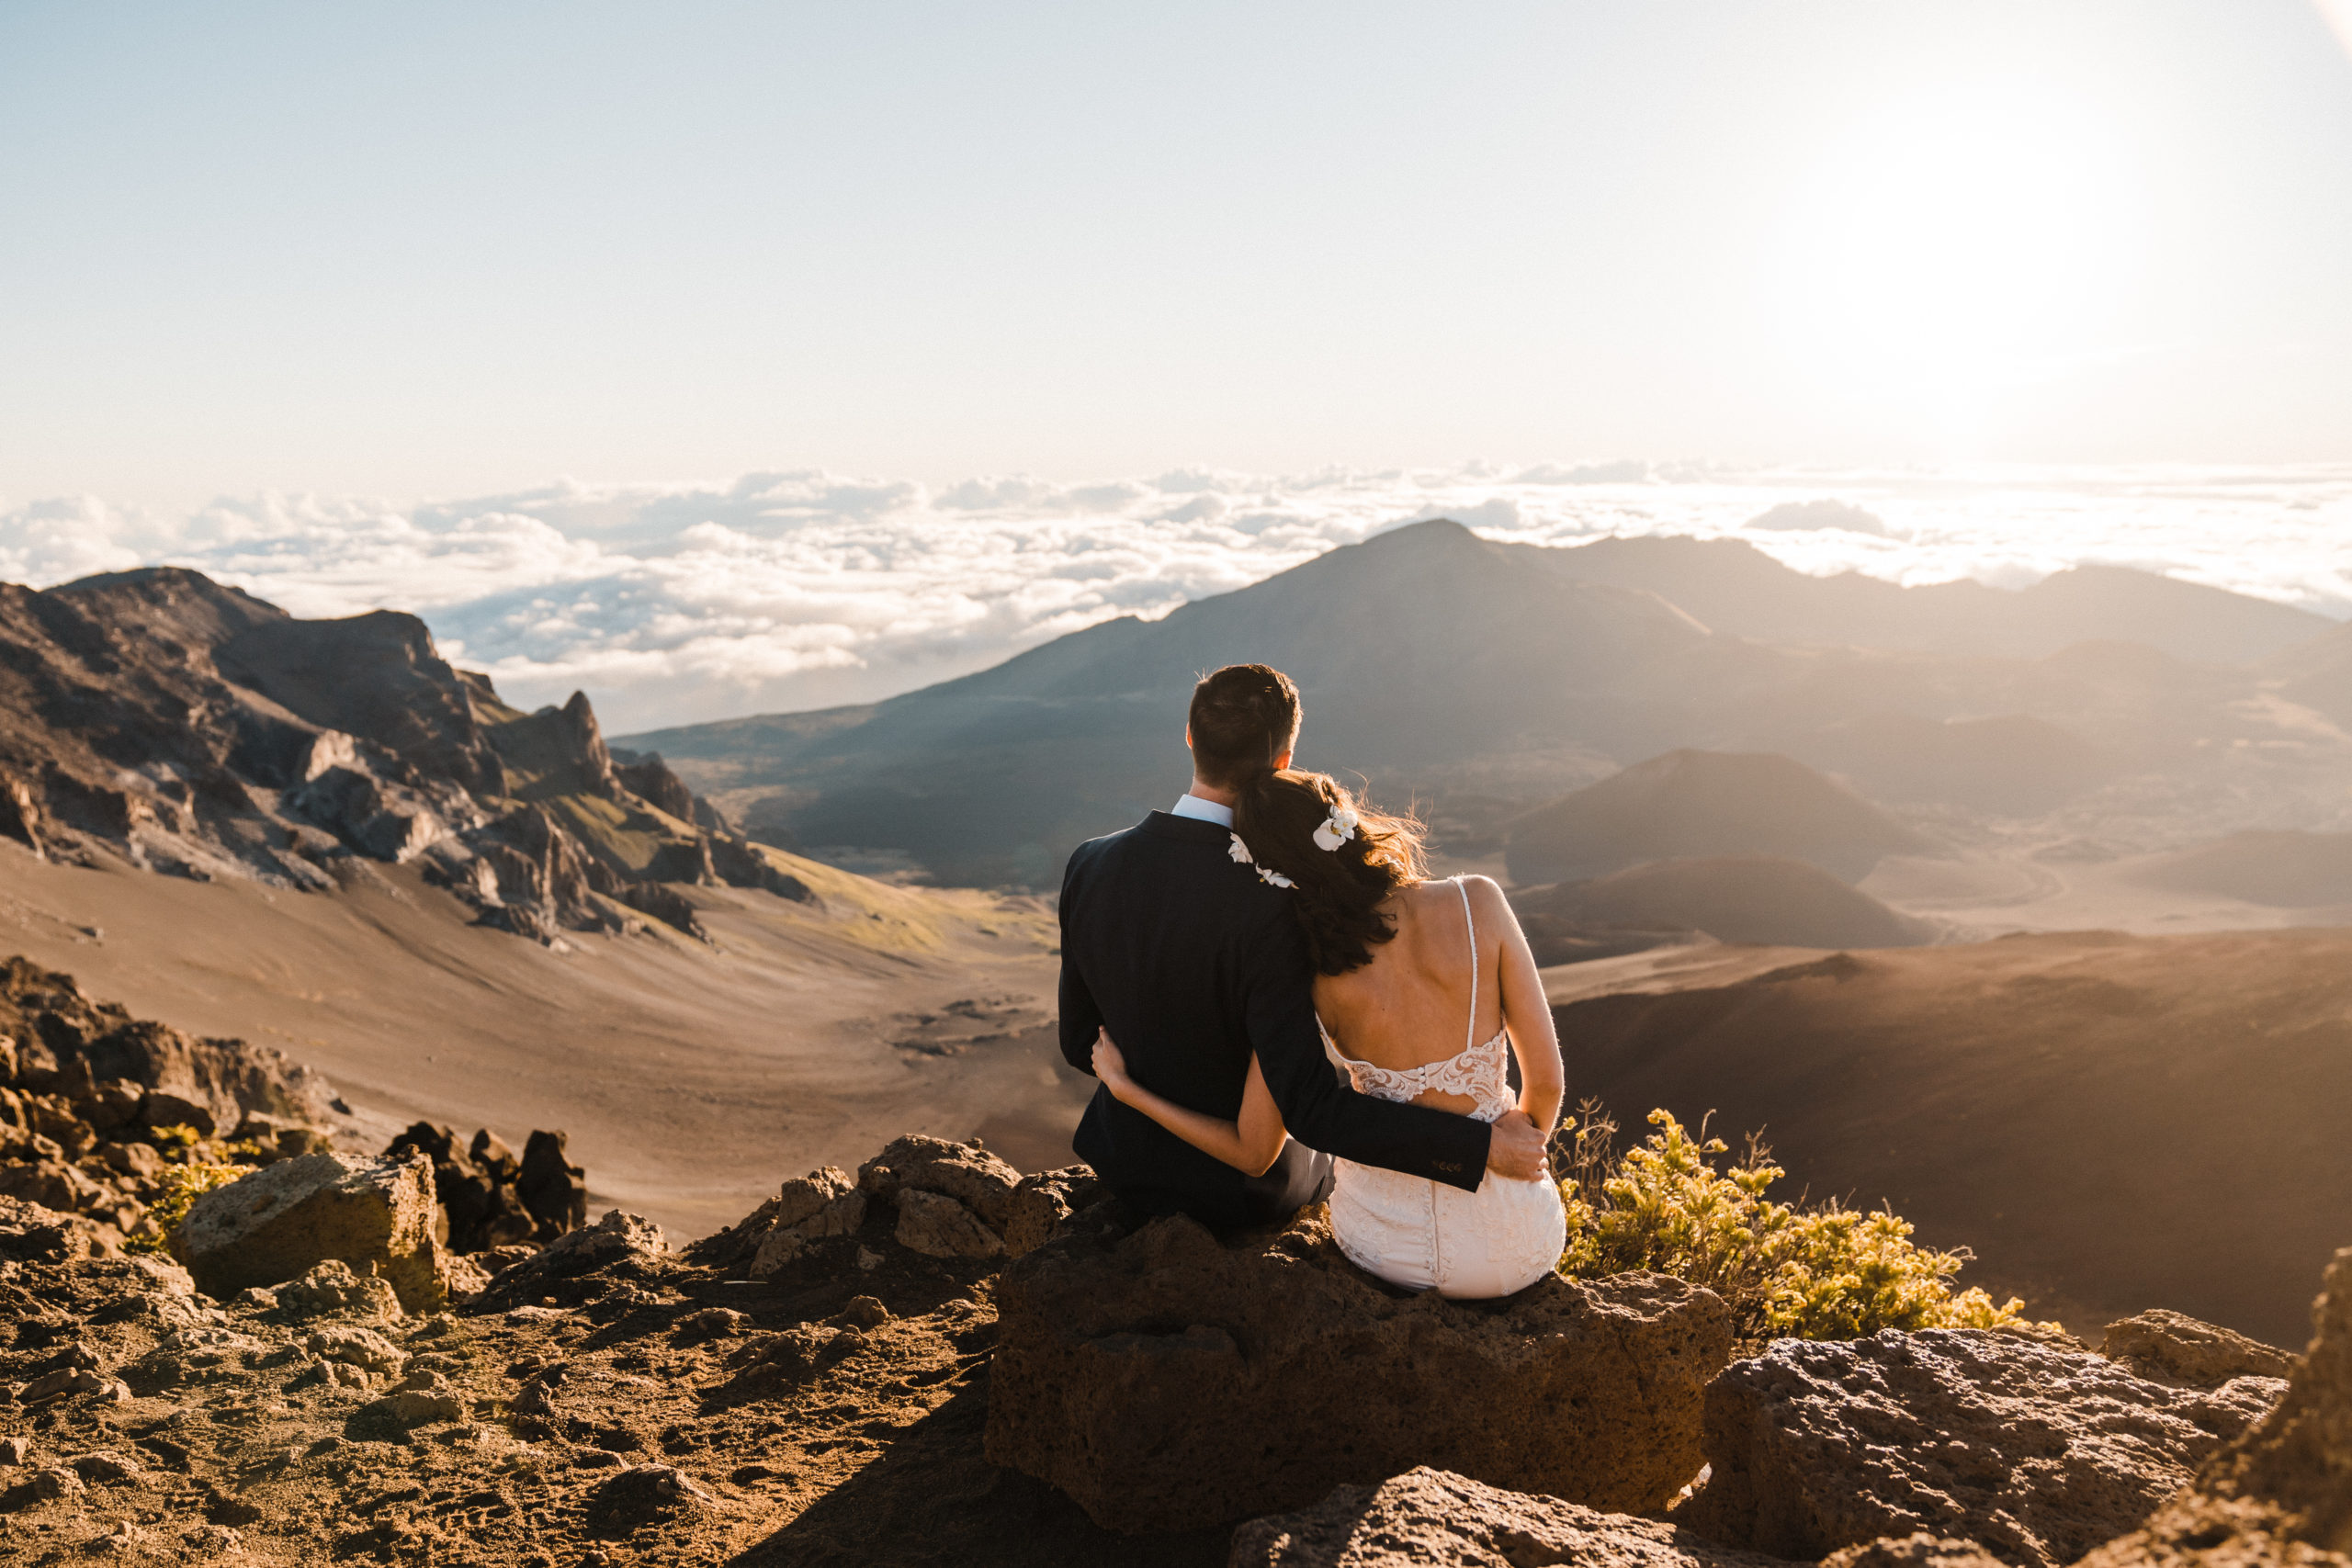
1241 856
1337 830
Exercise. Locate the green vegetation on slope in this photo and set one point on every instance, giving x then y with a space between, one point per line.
1806 1271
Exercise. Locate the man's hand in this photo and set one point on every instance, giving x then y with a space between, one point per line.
1516 1150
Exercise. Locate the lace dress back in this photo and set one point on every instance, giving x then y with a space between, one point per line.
1478 1072
1418 1234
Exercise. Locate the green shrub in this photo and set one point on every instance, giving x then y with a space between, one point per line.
181 1186
1806 1271
193 1166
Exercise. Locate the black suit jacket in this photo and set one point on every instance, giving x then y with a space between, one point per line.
1194 963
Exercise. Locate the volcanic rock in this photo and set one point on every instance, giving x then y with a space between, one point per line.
648 777
480 1208
938 1227
274 1225
644 1495
617 1239
965 1172
332 1286
1046 1202
1917 1550
2281 1493
1432 1518
127 1070
738 864
664 903
1280 1371
552 1188
2038 1453
2172 1347
822 1204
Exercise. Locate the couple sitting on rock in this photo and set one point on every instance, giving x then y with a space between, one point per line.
1220 958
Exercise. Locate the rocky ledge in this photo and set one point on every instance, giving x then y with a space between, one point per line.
825 1383
1167 1380
2037 1453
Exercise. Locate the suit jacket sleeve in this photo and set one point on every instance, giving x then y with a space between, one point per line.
1080 1017
1322 1111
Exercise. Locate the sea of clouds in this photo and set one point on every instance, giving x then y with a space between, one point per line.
673 604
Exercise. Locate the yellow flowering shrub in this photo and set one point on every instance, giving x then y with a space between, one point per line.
193 1166
1821 1272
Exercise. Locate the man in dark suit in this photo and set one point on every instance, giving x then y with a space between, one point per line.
1194 963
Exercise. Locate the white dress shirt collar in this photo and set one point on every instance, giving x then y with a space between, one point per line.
1203 810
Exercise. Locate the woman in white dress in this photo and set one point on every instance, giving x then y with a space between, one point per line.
1424 990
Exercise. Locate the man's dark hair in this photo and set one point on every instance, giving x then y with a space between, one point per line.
1243 716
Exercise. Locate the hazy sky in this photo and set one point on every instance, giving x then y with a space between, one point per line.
429 249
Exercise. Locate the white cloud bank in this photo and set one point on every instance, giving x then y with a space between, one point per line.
673 604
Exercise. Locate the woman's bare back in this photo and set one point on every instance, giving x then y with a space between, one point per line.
1411 1004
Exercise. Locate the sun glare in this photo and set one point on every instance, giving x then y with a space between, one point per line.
1951 246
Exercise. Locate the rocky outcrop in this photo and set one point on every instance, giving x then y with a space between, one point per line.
665 904
376 676
2172 1347
531 878
20 815
2280 1493
31 1233
554 1190
952 1200
735 861
2036 1453
618 1241
1917 1550
817 1207
279 1223
119 1071
1044 1204
1279 1370
159 719
645 775
96 1107
475 1186
1432 1518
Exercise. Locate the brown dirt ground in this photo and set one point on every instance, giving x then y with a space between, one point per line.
866 1452
686 1076
2112 1122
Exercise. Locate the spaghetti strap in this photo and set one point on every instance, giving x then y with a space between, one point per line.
1470 920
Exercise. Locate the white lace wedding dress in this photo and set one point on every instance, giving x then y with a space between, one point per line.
1423 1234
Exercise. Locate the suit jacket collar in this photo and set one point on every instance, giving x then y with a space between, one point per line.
1190 829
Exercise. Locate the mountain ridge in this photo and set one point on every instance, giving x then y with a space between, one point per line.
1481 678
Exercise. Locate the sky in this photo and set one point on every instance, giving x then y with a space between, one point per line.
433 249
720 359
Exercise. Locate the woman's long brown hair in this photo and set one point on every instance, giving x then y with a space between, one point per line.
1338 892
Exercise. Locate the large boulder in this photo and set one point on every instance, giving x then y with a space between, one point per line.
276 1225
2172 1347
1432 1518
2037 1454
2280 1493
1167 1380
